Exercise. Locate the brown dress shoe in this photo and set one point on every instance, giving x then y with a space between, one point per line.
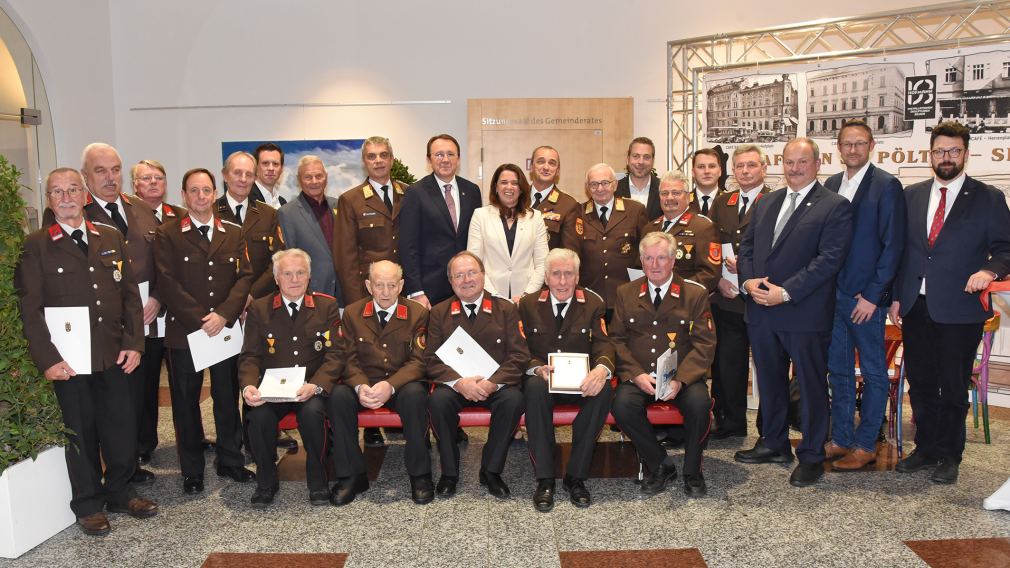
857 459
136 507
96 524
833 451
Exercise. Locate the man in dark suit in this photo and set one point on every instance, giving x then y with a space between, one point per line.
435 222
731 214
706 169
862 298
641 184
559 209
957 242
58 263
269 167
789 259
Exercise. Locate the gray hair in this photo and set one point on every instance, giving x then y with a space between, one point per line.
376 141
291 252
601 165
93 147
233 155
306 160
657 237
801 140
744 148
561 254
674 176
399 269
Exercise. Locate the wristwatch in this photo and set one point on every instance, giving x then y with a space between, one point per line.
319 390
785 296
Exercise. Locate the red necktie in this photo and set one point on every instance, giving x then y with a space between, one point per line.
934 229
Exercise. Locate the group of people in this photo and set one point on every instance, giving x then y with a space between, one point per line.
364 290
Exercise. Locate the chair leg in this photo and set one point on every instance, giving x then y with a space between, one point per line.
899 425
974 402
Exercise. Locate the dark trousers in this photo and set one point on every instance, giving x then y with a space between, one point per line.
695 404
730 370
506 407
808 351
940 357
411 402
97 408
185 384
144 387
342 408
263 421
540 426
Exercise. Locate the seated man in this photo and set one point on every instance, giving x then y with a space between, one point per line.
565 318
656 312
494 324
293 328
385 364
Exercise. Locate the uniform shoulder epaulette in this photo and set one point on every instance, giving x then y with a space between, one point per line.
689 281
590 290
700 216
106 225
553 197
413 301
589 206
236 225
320 294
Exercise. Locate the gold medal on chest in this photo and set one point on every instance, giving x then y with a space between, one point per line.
270 344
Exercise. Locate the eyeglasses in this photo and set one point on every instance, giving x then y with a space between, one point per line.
854 145
672 193
149 179
940 153
605 184
59 193
459 276
291 275
444 155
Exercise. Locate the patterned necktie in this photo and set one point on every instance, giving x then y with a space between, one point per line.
206 231
603 215
238 213
386 199
785 218
704 205
383 314
941 210
560 317
743 210
658 298
294 310
451 204
78 236
472 308
117 218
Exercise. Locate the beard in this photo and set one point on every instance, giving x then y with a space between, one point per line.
948 170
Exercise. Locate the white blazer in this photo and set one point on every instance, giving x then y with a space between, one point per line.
522 272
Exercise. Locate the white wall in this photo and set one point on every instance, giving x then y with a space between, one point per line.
254 52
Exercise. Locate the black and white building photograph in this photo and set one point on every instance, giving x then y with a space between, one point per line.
973 89
755 108
874 93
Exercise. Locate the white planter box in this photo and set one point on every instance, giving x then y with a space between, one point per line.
34 502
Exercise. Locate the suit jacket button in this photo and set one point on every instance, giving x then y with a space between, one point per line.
98 302
295 353
60 270
91 268
99 318
294 339
211 294
210 278
210 263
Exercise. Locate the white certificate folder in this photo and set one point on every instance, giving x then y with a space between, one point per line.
282 384
569 371
207 350
462 352
70 332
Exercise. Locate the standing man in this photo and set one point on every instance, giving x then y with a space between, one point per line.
309 222
269 167
559 209
789 259
567 318
862 298
610 228
57 265
204 275
260 230
150 183
493 323
658 312
385 365
731 214
706 168
699 256
641 184
957 242
435 222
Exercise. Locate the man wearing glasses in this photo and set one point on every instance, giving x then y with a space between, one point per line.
948 258
697 258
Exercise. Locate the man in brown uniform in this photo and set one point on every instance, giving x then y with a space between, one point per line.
205 277
699 256
560 210
706 169
654 313
565 318
57 264
385 364
260 231
494 324
731 214
610 228
293 328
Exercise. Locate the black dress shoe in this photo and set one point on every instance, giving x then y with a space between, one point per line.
577 492
762 454
373 438
723 433
446 486
208 445
192 485
319 497
917 461
946 472
495 484
143 458
671 443
263 496
694 485
142 476
806 474
347 489
422 490
656 481
543 497
236 472
285 441
461 436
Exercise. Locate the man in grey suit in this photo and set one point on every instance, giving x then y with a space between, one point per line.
308 221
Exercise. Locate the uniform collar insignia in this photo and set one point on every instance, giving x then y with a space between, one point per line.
185 224
91 228
277 301
369 310
486 305
674 289
367 190
401 311
126 198
309 301
88 200
685 219
55 232
398 188
543 295
580 296
589 206
618 204
167 210
733 198
553 197
642 291
455 308
219 225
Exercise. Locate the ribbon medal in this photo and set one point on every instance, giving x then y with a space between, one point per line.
326 335
673 339
270 344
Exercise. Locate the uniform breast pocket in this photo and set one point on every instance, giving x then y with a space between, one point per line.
371 222
624 246
61 281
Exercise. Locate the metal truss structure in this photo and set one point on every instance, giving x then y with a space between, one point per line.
939 26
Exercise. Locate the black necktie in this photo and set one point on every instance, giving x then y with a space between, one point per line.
743 210
472 308
603 215
560 317
205 230
536 199
666 224
116 217
238 213
78 236
386 199
658 299
704 205
294 310
383 314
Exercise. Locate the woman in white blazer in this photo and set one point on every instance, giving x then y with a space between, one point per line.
509 237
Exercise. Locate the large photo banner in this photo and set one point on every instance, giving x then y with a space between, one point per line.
901 97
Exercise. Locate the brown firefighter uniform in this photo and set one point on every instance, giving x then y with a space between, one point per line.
699 256
262 236
607 253
366 232
561 212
